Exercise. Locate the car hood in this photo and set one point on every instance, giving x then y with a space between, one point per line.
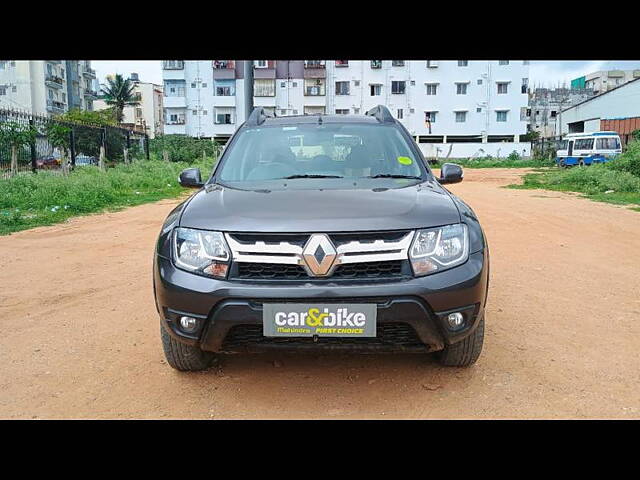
216 207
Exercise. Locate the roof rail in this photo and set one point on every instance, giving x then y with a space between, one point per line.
382 114
257 117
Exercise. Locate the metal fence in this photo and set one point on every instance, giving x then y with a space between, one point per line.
82 147
545 147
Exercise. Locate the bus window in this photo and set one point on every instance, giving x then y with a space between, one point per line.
584 144
611 143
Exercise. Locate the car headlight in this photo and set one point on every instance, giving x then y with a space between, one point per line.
201 251
437 249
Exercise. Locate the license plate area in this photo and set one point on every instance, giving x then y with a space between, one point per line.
319 319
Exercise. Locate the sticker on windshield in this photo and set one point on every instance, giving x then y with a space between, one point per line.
405 161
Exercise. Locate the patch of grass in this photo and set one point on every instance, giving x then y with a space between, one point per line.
490 162
593 182
28 201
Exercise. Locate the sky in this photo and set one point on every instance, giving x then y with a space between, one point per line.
541 73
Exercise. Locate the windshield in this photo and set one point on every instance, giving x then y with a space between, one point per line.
348 151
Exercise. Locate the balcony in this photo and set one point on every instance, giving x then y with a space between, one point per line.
55 106
342 63
89 72
177 121
314 64
173 64
53 81
224 64
92 94
376 63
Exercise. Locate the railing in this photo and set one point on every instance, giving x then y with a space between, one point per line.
89 72
90 93
55 105
314 64
54 79
180 121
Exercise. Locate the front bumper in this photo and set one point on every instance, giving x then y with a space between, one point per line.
420 302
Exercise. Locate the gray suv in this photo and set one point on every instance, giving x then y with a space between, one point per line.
321 232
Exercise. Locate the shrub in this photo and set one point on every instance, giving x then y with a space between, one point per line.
182 148
629 161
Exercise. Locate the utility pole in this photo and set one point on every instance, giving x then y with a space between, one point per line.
248 88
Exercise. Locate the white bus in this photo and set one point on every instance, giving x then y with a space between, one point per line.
588 148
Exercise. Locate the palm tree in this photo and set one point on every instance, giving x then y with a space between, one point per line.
119 93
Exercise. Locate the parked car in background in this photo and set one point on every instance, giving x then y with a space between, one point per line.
85 160
47 162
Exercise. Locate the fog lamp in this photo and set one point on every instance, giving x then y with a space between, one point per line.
189 324
455 320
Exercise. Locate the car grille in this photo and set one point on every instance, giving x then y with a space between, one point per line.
394 336
367 255
266 271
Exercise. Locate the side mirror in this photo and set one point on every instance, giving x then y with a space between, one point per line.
191 177
450 173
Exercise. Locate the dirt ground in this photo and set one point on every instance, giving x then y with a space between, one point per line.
80 334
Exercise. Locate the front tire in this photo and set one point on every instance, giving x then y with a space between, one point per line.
185 358
466 352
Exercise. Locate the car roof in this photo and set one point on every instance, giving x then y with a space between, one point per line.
315 119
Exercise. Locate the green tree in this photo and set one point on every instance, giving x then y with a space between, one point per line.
119 93
16 135
58 135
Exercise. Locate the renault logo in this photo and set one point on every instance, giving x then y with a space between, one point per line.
319 254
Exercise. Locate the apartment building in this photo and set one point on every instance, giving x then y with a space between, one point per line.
148 115
452 108
46 87
605 80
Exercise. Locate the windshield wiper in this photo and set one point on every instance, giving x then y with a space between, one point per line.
392 175
311 176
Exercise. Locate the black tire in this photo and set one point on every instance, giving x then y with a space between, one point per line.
184 357
466 352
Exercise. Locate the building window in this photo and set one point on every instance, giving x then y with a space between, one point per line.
479 81
223 64
14 89
432 63
342 88
204 85
194 112
400 114
342 63
224 116
314 87
314 64
225 88
376 63
503 62
193 84
397 63
173 64
261 64
3 64
503 87
553 114
463 63
204 112
430 117
501 116
3 90
283 84
398 87
432 88
525 85
173 88
525 62
356 110
461 88
376 90
342 111
294 84
264 87
461 117
356 83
